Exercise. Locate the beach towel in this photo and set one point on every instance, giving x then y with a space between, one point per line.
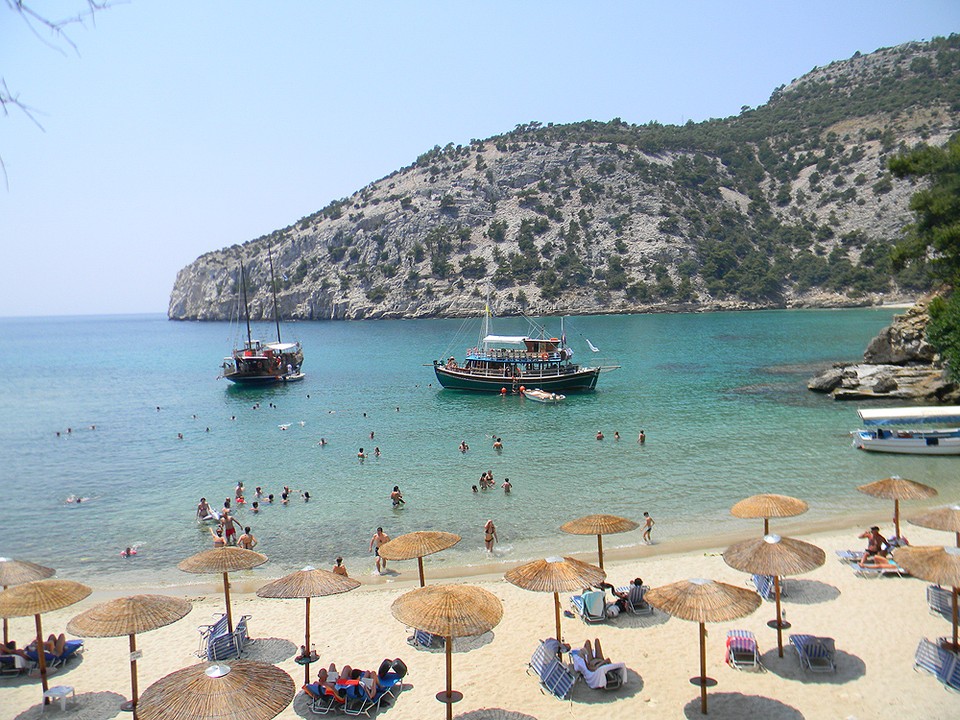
597 678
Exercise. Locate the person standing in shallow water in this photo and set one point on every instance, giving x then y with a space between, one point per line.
490 535
647 528
378 539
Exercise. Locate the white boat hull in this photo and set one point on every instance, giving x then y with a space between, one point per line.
916 442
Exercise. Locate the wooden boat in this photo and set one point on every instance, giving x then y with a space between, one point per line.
893 430
502 363
543 396
257 363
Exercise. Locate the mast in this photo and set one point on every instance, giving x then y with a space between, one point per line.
273 284
246 305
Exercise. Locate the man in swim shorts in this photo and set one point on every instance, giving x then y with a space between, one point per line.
229 526
378 539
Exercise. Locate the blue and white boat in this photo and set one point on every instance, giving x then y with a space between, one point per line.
893 430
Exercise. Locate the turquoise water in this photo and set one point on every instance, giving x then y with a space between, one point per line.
721 398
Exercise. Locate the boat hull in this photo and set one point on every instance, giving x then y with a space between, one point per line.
583 380
914 443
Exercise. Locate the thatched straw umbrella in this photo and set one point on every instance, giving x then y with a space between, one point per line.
946 518
776 556
17 572
242 690
767 506
897 488
703 601
223 560
418 545
129 616
940 565
35 598
599 525
449 611
556 575
308 583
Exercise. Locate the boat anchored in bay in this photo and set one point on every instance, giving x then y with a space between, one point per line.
895 432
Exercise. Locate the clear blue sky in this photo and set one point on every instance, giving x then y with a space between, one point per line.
184 127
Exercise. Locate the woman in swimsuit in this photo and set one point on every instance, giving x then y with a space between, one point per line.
489 535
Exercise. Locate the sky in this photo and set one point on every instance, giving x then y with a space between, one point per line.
177 127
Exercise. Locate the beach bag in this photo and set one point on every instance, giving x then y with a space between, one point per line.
612 610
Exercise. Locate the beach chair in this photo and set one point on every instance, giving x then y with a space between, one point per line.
70 649
635 602
932 658
357 702
421 638
764 586
591 606
241 635
12 665
215 629
322 699
742 650
815 653
557 679
610 676
545 652
940 601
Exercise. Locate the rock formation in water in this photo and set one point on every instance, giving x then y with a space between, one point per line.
789 204
898 364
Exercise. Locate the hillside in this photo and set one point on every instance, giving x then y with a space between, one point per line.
788 204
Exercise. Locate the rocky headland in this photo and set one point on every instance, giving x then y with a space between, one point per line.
898 364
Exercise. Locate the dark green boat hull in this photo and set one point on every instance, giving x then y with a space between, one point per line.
581 380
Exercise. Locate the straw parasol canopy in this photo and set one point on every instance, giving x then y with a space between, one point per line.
418 545
897 488
940 565
556 575
129 616
243 690
223 560
35 598
450 611
776 556
17 572
308 583
945 518
599 525
768 506
703 601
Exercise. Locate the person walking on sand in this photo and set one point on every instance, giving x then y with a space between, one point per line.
378 539
490 535
647 528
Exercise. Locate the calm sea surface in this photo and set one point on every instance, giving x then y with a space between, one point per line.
721 398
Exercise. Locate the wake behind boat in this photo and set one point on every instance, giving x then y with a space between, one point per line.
895 431
258 363
502 363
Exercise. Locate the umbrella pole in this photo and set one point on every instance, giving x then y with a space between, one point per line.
703 668
6 637
42 658
134 695
420 567
955 646
556 612
766 526
306 647
599 551
226 594
448 642
776 591
896 516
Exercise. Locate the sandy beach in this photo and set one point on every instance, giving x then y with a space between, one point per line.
876 623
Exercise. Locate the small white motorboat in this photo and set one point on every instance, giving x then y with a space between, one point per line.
543 396
902 437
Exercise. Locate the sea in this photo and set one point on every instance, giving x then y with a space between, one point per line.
128 413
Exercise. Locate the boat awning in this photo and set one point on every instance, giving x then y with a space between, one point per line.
504 339
910 415
281 347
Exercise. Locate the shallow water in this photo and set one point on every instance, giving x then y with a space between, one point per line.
721 398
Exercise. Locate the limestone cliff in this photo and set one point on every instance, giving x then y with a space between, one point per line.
786 205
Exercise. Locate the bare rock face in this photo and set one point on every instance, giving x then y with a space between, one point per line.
899 364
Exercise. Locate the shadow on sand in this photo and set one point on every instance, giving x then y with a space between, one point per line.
87 706
736 706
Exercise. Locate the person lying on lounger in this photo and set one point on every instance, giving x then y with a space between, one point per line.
11 649
593 656
877 562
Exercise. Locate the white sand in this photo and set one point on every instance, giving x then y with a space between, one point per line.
876 623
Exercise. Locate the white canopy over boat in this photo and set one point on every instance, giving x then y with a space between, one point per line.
504 340
911 415
281 347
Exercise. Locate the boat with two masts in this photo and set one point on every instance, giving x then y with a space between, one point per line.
894 430
257 363
502 363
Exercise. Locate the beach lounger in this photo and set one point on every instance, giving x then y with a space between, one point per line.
322 699
215 629
765 588
852 558
932 658
940 601
742 650
636 603
557 679
421 638
591 606
12 665
70 649
545 652
607 677
815 653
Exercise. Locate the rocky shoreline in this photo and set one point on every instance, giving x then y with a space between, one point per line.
898 364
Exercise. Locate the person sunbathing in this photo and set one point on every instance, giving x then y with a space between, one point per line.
11 649
352 682
593 656
53 644
877 562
